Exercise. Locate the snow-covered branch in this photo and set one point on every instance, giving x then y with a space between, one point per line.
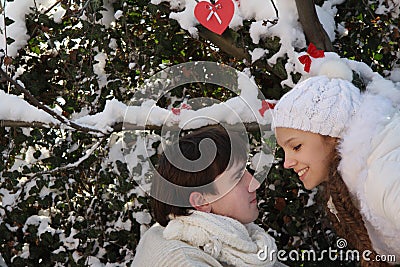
118 127
24 124
71 165
33 101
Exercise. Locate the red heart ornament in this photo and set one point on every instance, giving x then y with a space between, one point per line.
215 17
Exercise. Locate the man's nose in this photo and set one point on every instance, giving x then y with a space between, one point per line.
254 184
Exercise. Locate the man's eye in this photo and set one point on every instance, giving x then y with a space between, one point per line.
296 148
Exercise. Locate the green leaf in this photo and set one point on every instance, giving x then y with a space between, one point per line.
35 49
37 154
9 21
10 40
378 56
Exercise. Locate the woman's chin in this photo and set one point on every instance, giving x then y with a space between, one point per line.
309 186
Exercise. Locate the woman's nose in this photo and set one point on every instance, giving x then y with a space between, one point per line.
254 184
289 163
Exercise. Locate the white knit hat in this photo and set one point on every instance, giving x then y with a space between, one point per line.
319 105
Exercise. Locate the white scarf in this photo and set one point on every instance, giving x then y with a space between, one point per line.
224 238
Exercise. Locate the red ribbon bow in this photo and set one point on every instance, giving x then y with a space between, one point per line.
177 111
312 51
265 106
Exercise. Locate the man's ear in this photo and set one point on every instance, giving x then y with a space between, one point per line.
198 202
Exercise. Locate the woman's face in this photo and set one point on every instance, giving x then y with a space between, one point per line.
308 154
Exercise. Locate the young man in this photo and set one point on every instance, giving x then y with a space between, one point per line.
205 215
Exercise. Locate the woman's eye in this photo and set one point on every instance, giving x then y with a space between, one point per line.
296 148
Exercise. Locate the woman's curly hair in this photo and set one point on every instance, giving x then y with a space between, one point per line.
351 224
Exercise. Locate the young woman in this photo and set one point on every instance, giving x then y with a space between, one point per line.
348 141
205 215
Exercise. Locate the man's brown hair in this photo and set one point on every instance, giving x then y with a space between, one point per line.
165 188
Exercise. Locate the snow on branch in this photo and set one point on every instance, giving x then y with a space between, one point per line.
248 106
73 165
33 101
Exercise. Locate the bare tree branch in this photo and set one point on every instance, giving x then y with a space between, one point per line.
312 27
276 9
52 6
88 153
24 124
33 101
227 44
250 127
118 127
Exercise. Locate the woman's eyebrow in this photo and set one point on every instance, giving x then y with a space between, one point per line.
288 141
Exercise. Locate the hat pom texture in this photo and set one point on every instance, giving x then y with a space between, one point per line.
319 104
332 66
336 69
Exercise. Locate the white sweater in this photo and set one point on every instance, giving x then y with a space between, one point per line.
154 250
204 239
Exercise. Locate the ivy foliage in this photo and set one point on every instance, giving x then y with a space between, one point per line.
68 198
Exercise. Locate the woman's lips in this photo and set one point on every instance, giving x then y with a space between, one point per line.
301 173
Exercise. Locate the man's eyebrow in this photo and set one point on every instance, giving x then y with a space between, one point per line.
239 171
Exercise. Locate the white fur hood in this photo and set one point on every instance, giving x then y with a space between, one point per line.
370 167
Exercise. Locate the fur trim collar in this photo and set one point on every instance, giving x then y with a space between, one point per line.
355 146
358 143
